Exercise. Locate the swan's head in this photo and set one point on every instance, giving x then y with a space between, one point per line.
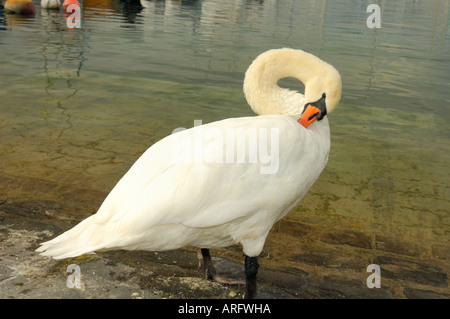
322 82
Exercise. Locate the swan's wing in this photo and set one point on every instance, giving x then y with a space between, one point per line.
170 186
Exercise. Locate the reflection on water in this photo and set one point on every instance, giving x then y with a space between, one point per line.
78 106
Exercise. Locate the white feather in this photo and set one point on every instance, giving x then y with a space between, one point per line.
50 4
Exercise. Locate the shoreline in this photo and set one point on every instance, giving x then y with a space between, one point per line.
178 274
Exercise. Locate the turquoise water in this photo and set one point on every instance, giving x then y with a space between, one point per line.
78 106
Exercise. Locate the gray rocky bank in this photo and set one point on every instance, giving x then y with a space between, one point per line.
179 273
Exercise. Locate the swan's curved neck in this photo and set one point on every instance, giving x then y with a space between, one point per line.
261 81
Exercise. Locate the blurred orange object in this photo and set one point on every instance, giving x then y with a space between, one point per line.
67 3
25 7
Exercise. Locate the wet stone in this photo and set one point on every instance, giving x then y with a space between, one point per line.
330 289
412 293
21 223
351 238
312 259
411 270
32 209
294 229
290 281
441 251
432 278
409 263
396 246
5 272
3 234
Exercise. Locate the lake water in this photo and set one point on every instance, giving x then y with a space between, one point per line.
78 107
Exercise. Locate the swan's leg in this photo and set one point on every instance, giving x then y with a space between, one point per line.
208 266
251 269
226 273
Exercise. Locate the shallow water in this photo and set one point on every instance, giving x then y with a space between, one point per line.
78 107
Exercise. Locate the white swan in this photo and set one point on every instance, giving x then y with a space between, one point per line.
193 188
51 4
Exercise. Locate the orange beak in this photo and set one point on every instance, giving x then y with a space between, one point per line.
309 115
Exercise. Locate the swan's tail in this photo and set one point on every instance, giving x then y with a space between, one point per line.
86 237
